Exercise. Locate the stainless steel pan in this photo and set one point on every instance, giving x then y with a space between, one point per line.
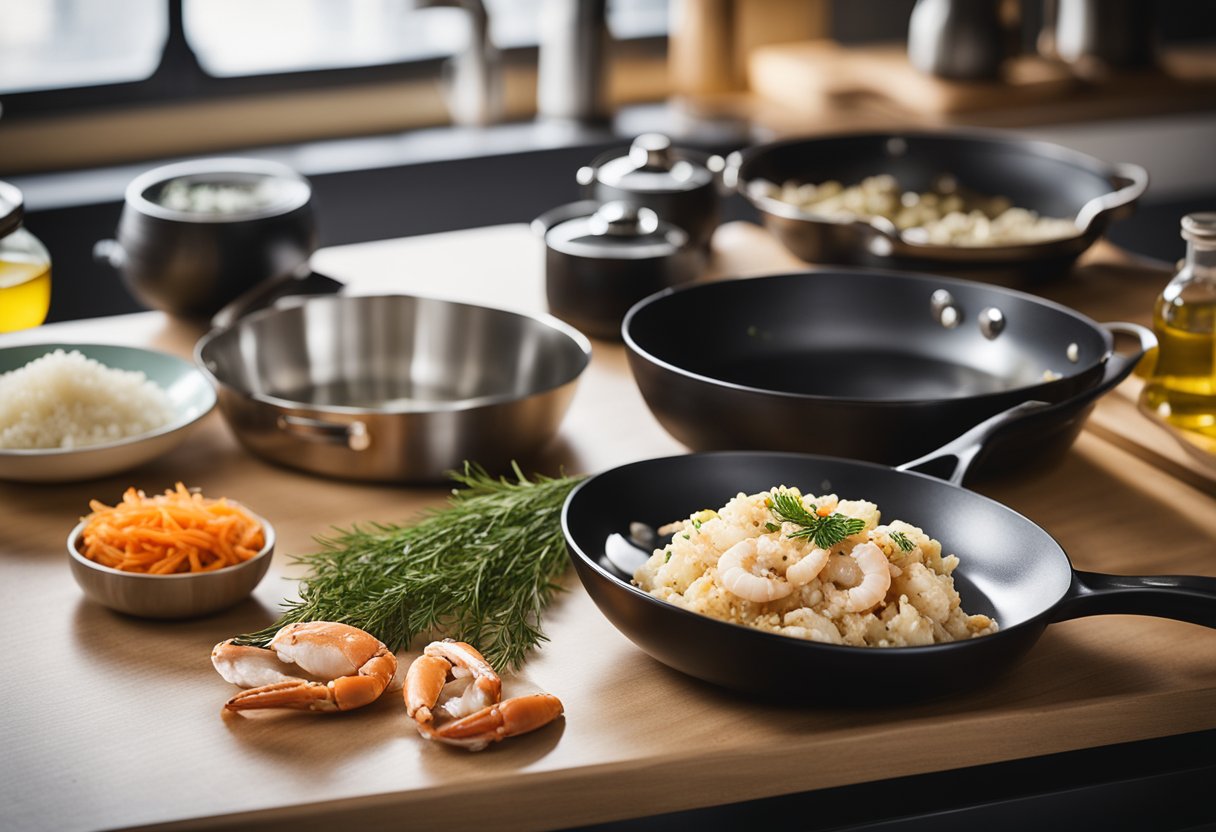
393 387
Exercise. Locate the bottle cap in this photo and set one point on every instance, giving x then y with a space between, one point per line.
1200 227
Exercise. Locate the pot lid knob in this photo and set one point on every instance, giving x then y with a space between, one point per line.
651 151
620 219
650 166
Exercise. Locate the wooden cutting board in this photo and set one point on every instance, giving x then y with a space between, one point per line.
805 75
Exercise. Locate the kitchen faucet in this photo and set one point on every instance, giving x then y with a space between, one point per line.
472 78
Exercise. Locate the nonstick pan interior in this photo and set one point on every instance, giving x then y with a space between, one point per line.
864 364
1010 569
867 335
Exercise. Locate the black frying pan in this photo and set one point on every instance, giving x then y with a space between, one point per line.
1053 180
871 365
1011 569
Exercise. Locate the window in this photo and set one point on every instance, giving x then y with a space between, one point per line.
46 44
56 45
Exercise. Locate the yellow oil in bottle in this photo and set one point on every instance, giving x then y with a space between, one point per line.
1182 386
1182 389
25 292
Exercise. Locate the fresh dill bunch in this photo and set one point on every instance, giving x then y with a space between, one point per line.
824 531
480 570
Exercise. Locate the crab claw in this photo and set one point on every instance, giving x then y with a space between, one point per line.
358 666
424 682
511 718
294 693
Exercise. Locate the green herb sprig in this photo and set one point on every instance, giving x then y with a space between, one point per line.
901 540
824 532
480 570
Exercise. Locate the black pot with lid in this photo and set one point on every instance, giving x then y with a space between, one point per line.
601 259
681 186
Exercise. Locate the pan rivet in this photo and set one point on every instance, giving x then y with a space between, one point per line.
992 322
896 146
357 437
944 310
1073 352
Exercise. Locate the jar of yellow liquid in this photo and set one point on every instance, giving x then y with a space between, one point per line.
25 267
1182 386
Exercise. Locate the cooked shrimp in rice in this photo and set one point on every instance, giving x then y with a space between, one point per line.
812 567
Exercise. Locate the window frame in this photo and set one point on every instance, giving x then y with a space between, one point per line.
179 78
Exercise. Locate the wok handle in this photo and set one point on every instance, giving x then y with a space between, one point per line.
1116 204
302 283
354 434
965 448
1180 597
1118 366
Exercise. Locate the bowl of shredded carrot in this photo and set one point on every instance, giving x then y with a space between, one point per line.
172 555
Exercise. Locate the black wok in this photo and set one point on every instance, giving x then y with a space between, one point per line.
1052 180
871 365
1011 569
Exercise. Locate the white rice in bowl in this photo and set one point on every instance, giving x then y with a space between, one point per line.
884 585
65 400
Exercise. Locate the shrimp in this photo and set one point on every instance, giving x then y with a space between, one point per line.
478 717
875 581
735 572
356 665
808 568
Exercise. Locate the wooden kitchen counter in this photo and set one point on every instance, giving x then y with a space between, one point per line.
115 722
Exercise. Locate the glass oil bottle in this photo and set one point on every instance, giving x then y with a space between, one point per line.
1182 387
25 267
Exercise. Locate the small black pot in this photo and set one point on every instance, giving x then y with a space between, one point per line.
602 259
192 263
681 186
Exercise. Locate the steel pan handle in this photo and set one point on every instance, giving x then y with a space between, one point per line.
353 435
1180 597
1116 204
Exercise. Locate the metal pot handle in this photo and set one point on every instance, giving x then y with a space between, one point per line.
353 435
111 252
1180 597
1116 204
301 283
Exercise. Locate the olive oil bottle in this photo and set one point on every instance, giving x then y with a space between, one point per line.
25 267
1182 386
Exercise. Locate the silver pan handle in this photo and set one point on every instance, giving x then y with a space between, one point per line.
353 435
1116 204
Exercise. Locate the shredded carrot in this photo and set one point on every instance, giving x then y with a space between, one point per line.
177 531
